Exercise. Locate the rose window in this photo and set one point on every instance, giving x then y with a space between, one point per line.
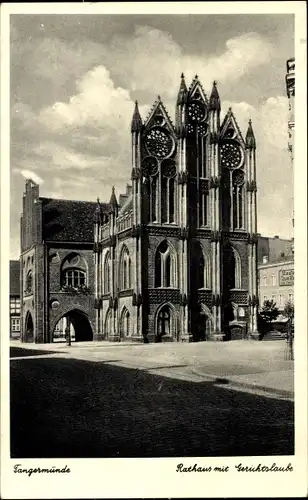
159 143
168 168
149 166
196 112
231 155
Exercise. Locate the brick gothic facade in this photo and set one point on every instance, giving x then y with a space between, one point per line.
56 253
177 260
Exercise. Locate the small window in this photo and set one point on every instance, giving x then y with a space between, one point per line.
274 298
264 281
15 325
74 278
274 279
14 305
291 297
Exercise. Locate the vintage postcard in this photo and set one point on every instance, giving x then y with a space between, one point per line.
154 247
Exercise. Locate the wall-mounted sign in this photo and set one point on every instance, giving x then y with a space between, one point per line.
286 277
55 304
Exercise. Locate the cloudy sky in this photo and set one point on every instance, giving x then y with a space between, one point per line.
74 80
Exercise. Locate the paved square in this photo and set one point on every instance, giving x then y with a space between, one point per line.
150 400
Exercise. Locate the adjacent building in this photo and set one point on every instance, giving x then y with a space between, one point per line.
277 282
175 259
14 299
56 268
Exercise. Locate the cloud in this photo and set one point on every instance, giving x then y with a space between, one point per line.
152 61
71 111
28 174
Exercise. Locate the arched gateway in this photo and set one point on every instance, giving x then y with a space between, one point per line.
79 324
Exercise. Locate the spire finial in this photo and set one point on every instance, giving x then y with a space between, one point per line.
214 103
250 137
196 77
98 201
136 120
182 91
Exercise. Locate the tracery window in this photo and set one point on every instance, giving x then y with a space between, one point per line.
203 209
73 271
232 268
164 266
29 282
107 273
125 269
159 142
74 278
233 180
168 170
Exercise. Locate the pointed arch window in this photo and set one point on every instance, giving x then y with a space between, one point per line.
152 192
164 266
203 208
168 172
29 282
197 265
233 269
164 321
125 323
207 273
237 203
107 273
125 269
108 321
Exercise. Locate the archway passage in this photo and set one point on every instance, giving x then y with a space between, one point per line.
29 329
80 327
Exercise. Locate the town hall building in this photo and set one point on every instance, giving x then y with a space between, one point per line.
174 259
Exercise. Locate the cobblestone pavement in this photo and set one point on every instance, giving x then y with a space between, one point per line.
144 401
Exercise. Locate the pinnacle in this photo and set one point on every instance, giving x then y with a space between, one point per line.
214 102
136 120
250 137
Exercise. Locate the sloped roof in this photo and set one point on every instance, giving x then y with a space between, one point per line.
69 220
14 277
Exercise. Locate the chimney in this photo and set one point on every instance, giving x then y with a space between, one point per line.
276 237
265 259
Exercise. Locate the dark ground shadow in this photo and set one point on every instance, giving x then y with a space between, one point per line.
70 408
19 352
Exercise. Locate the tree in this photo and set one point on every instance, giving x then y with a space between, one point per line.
288 310
269 311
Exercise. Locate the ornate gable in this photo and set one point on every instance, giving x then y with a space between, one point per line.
196 91
159 117
230 129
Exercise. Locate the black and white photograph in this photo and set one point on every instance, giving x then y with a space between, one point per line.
152 310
